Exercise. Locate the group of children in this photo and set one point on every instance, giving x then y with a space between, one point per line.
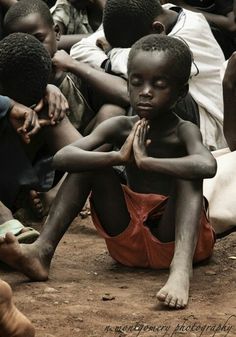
144 92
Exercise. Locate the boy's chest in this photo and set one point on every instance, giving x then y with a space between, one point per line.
166 146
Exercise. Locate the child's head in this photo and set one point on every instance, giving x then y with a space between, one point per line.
33 17
25 67
158 72
126 21
79 4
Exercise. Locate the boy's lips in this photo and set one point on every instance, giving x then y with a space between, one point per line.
144 106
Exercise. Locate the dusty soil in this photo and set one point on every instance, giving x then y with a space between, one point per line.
89 295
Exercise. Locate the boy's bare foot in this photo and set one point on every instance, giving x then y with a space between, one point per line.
25 257
175 292
40 202
12 322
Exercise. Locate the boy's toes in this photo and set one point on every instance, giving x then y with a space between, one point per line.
161 296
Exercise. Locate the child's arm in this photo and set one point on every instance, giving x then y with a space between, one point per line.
229 94
82 155
198 164
113 88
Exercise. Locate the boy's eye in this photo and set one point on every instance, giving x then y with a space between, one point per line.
160 84
136 81
39 37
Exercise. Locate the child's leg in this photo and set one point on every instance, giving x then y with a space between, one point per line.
34 260
188 206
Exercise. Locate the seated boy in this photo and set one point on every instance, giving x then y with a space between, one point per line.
24 70
125 22
159 222
33 17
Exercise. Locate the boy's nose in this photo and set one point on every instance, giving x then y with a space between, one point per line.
146 92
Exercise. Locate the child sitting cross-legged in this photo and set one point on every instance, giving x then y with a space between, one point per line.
160 219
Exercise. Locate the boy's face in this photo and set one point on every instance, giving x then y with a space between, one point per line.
152 86
34 24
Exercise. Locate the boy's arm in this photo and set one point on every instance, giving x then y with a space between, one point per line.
229 94
113 88
198 164
87 50
82 155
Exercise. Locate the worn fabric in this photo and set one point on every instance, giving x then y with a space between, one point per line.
136 246
74 21
77 94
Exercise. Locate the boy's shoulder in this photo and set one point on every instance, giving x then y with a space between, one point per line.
115 129
120 123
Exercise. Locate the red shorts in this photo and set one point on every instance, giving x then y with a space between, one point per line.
136 246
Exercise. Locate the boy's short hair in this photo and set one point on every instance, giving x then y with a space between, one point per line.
126 21
24 8
177 50
25 67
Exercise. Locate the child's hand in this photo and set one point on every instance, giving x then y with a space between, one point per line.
103 44
24 120
62 60
141 142
57 106
126 149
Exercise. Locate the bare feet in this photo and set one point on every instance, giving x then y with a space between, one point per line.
175 292
12 322
27 258
40 202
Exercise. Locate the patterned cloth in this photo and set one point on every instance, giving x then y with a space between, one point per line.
74 21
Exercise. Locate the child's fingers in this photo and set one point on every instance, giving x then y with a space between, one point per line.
28 120
39 106
44 122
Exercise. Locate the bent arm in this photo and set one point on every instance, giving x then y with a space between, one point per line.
111 87
197 164
67 41
82 155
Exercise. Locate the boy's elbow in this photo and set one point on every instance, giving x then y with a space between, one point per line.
211 168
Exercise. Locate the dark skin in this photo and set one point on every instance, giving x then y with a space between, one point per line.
229 94
174 163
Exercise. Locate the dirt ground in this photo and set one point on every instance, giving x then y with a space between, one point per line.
90 295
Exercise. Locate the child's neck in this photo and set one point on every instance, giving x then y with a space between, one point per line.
164 123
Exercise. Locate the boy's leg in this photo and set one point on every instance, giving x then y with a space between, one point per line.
34 260
55 138
188 206
12 322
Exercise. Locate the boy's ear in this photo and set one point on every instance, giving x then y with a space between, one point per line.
57 31
158 27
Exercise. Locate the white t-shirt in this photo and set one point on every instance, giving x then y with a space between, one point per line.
205 84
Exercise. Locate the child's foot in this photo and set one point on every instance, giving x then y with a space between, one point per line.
175 292
40 202
25 257
12 322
